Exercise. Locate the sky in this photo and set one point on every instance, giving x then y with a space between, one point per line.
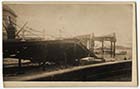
78 19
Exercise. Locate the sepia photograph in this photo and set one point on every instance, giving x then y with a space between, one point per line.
69 44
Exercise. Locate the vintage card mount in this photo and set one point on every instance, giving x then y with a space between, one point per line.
69 44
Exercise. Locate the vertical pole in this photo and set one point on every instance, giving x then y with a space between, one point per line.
43 66
74 51
19 66
111 49
77 61
23 34
93 42
19 63
114 35
114 49
103 49
88 44
90 41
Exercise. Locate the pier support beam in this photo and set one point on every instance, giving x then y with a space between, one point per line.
19 63
44 66
20 70
114 49
102 49
111 49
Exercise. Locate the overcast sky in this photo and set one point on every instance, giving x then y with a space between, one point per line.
74 19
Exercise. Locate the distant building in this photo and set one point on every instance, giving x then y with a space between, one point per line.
9 16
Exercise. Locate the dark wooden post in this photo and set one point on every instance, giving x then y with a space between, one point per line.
44 66
19 63
77 61
93 44
114 49
111 48
103 49
20 70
